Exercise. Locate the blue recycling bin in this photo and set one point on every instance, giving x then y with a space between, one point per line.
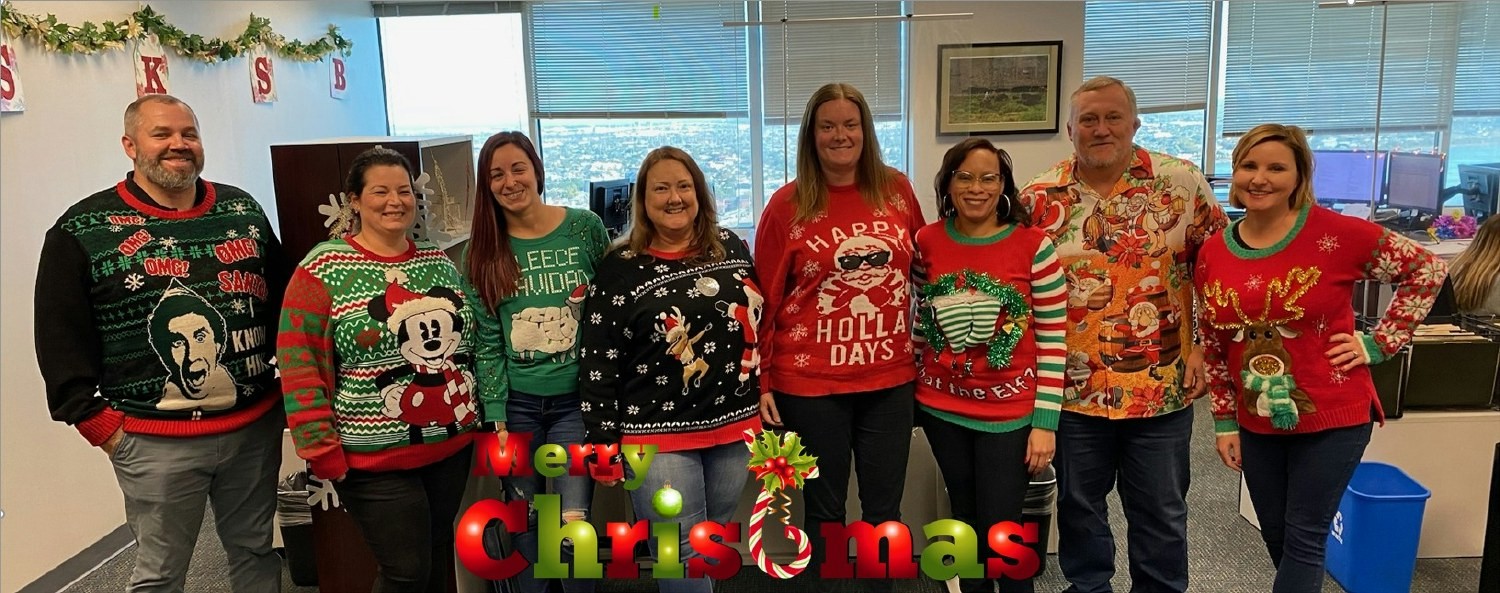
1372 542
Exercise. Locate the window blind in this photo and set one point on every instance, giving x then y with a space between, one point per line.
1160 49
801 57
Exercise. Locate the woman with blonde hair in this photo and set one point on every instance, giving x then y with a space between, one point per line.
1288 372
835 250
1476 273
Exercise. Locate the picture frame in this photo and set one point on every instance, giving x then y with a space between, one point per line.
999 88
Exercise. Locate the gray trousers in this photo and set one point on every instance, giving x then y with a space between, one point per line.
167 480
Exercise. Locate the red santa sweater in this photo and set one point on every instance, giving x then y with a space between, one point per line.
1267 316
837 292
992 314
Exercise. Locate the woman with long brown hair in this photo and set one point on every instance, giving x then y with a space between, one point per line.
529 265
1476 272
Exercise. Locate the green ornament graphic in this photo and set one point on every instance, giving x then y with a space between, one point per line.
667 502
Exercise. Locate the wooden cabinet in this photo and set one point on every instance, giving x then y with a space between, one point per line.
309 180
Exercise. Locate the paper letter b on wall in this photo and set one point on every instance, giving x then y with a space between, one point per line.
262 76
150 68
338 84
11 97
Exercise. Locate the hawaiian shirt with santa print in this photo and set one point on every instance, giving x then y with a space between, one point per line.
1127 258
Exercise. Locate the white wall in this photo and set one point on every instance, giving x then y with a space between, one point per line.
59 495
992 22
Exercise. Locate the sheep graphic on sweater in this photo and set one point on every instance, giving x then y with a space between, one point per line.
540 331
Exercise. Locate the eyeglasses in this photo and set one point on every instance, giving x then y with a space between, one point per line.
965 179
875 259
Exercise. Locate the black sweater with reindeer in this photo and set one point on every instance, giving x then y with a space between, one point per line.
668 350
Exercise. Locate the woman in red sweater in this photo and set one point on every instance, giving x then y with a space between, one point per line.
834 251
992 310
1288 370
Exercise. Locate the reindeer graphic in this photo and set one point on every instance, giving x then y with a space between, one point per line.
1267 384
675 328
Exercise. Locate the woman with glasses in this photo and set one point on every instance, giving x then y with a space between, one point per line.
991 311
834 250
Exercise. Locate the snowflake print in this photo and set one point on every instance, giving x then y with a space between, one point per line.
585 406
718 400
729 368
607 425
661 379
628 333
906 347
1255 282
710 347
633 410
254 232
238 306
1337 377
693 293
660 269
793 309
618 300
239 208
593 290
799 332
820 217
669 406
596 319
169 242
627 254
115 228
596 376
733 325
655 338
641 369
232 233
803 359
1328 243
612 354
796 232
810 269
660 292
1320 326
134 282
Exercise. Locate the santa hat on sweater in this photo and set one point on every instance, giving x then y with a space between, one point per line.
401 303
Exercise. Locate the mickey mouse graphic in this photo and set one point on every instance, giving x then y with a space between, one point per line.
435 388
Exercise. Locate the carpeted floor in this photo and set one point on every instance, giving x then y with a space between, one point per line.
1226 555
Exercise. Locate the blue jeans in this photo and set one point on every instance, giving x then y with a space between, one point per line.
1296 482
557 420
710 481
1150 458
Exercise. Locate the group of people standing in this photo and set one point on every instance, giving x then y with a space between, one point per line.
1069 321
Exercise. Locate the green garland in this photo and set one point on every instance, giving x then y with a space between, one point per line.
90 38
1003 345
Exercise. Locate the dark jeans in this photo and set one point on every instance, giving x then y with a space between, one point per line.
876 427
557 420
1149 456
987 477
407 517
1296 482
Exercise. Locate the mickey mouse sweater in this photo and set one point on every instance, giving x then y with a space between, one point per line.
838 292
1267 316
669 354
375 359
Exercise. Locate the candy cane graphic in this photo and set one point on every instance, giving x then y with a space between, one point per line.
757 529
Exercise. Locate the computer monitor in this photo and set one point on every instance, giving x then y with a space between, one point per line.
1415 182
1348 176
1481 188
611 201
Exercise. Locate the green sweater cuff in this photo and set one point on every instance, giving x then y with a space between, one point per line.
1226 426
494 410
1045 419
1373 353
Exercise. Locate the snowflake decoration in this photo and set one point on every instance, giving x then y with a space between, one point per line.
799 332
612 354
733 325
723 234
593 290
1337 377
642 369
1254 283
796 232
585 406
607 425
168 242
803 359
596 318
710 347
596 376
633 410
810 269
729 368
134 282
906 347
254 232
627 254
820 217
232 233
693 293
1328 243
669 406
115 228
239 208
238 306
661 269
1321 326
628 333
618 300
719 400
661 379
660 292
793 309
655 338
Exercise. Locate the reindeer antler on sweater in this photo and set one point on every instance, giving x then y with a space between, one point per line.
1279 307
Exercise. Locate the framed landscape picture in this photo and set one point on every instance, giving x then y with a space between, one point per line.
999 88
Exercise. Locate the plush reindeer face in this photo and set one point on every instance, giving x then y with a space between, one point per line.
1264 353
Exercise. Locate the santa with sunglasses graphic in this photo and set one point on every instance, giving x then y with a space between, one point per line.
865 280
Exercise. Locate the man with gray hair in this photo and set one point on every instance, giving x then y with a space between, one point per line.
157 302
1127 223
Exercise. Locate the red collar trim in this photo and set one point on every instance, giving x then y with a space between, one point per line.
411 251
147 208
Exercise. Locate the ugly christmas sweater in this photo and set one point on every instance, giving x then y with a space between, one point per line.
838 292
168 315
669 354
536 329
990 328
1267 316
375 359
